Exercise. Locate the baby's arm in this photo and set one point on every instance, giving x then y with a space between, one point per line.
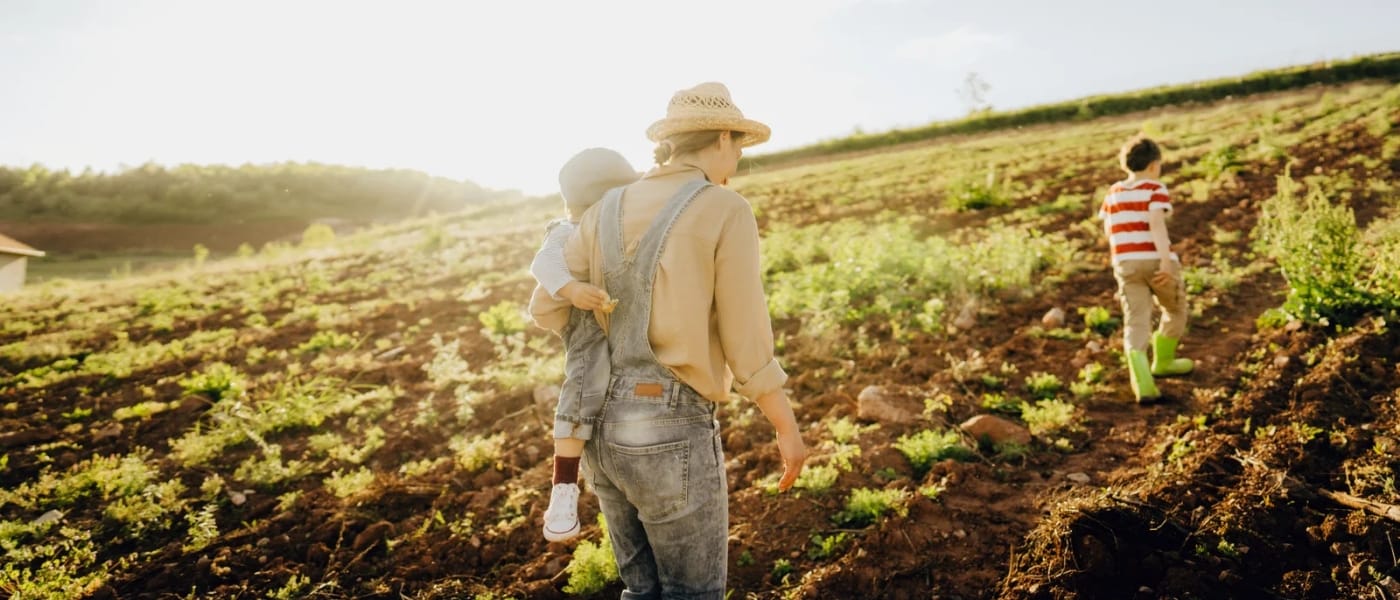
549 268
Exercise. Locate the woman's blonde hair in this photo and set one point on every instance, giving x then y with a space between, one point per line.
690 141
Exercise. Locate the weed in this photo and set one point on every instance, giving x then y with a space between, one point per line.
593 566
1099 320
845 431
344 485
1048 416
217 381
326 340
1043 385
204 528
504 319
1010 405
476 453
817 478
866 506
824 547
927 447
781 569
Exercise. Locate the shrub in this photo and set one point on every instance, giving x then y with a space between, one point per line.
1318 250
866 506
317 235
927 447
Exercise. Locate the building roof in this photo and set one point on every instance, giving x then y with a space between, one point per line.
12 246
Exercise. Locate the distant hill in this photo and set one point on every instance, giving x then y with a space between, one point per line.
1384 66
153 193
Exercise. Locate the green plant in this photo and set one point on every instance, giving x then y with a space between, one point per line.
781 569
503 319
217 381
1043 385
1317 247
866 506
1098 319
326 340
317 235
204 528
1002 403
344 485
593 566
817 478
824 547
1048 416
927 447
974 192
476 453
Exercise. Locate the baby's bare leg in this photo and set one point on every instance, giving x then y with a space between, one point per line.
570 447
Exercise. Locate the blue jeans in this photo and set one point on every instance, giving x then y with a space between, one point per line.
657 465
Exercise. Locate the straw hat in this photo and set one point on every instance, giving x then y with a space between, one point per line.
706 107
590 174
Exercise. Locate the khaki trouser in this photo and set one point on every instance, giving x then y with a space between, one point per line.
1137 292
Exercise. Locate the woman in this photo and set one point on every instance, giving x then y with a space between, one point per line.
679 254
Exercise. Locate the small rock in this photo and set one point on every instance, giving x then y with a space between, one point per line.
876 403
967 317
390 353
1293 325
960 534
108 432
48 517
1281 360
1054 317
996 430
1078 477
237 498
1094 346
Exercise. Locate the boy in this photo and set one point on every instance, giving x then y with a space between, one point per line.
1135 219
582 182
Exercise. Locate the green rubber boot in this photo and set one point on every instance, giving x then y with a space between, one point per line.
1143 386
1164 360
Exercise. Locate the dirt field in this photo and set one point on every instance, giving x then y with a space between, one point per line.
1244 483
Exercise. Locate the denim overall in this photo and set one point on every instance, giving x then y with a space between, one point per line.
655 460
586 374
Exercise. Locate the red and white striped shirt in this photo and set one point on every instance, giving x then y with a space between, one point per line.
1125 210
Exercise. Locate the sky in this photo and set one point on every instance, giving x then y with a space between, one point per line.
503 92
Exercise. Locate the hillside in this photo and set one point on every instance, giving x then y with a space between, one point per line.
366 417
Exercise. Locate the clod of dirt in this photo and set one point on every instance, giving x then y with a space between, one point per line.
883 405
372 536
996 430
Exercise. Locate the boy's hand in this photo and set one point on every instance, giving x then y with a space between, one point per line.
584 296
1163 276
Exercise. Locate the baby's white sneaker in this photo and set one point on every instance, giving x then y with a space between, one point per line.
561 518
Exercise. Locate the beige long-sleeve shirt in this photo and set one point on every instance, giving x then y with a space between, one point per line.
709 317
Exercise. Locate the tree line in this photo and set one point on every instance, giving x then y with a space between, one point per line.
153 193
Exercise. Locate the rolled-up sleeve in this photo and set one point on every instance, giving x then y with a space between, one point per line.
745 330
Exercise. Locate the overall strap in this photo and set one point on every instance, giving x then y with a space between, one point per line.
610 229
631 279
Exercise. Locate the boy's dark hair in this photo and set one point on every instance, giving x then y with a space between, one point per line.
1138 153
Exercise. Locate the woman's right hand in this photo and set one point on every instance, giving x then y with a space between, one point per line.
794 453
775 406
